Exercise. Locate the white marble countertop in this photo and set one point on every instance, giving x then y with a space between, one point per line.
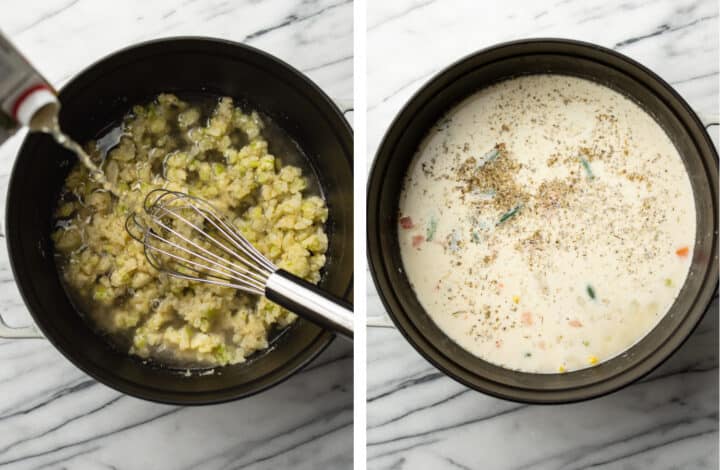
54 416
417 417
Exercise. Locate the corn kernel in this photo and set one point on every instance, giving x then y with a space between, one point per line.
593 360
516 299
562 369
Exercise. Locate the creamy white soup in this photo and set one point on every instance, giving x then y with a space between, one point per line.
546 223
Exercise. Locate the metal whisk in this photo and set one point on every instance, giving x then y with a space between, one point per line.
186 238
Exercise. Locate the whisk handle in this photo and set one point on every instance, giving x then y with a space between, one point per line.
310 302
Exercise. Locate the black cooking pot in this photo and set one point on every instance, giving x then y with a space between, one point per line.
458 82
100 96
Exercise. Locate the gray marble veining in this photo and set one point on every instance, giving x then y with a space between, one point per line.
54 416
417 417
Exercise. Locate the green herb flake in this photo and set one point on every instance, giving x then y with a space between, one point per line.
509 214
586 343
431 228
528 354
591 291
588 170
668 282
475 237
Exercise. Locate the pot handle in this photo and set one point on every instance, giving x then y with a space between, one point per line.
20 332
345 105
379 321
709 120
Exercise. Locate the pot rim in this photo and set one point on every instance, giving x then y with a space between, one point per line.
402 318
321 341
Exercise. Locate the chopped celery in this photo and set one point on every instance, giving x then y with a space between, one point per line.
101 293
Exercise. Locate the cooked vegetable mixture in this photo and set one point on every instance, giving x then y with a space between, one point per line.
221 156
547 223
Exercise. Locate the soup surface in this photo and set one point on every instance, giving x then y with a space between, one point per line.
215 150
546 223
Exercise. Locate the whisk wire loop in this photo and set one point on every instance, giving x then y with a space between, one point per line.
239 269
155 200
189 264
208 249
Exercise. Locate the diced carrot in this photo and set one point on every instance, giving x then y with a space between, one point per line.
417 240
682 251
406 222
501 285
526 318
575 323
541 345
498 343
